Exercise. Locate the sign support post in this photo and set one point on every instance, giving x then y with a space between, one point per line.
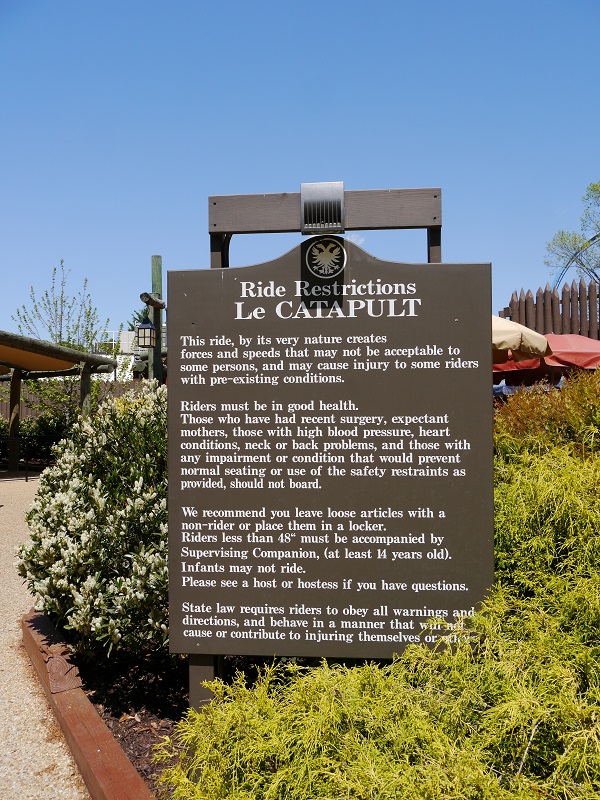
155 366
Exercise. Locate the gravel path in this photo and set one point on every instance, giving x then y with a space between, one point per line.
35 762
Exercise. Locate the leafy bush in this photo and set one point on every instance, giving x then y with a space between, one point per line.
547 519
538 420
60 398
3 432
43 433
97 559
511 710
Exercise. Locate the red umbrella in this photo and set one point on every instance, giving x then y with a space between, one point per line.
569 350
572 350
511 365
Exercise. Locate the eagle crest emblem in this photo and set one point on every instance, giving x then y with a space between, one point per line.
326 257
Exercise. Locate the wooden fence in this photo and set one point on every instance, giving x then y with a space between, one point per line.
574 310
24 410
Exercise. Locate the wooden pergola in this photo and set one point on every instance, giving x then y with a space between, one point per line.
22 357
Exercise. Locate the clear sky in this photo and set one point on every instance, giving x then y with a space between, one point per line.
120 117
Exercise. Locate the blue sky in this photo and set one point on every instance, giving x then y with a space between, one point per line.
119 118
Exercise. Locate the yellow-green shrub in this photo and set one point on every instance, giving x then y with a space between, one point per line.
540 419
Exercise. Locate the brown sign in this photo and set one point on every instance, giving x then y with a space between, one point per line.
330 456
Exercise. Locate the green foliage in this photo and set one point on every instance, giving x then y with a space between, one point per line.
67 320
55 396
97 558
56 316
590 219
43 432
538 420
60 397
510 710
567 245
547 521
137 317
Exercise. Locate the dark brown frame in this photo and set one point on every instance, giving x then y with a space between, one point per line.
373 209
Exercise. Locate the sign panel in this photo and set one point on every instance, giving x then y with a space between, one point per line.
330 453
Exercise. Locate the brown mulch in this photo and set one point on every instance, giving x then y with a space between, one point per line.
138 735
140 702
141 699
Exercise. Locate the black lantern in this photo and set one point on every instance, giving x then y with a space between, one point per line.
146 334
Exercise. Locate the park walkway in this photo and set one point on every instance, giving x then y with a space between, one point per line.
35 762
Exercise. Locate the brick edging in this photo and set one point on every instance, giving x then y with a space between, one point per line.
106 770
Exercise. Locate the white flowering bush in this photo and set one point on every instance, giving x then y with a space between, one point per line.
97 557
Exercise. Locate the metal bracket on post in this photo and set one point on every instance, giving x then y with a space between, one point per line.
322 208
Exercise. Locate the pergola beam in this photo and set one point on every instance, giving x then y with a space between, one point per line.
65 373
26 344
20 354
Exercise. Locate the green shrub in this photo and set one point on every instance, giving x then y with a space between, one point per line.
43 433
547 519
97 558
3 427
512 710
538 420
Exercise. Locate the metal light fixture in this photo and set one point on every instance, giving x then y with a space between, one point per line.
151 333
146 334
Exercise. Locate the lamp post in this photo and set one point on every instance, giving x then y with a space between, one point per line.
150 331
